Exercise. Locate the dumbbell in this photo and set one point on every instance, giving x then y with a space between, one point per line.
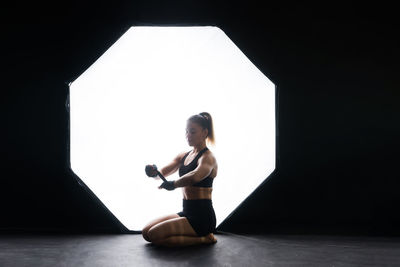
151 171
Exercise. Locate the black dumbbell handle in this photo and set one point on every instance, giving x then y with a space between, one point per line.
161 176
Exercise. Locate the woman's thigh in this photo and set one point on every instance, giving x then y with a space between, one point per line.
173 227
156 221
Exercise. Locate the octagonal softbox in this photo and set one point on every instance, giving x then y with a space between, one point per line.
130 109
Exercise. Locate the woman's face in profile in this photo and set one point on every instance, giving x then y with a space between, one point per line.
195 134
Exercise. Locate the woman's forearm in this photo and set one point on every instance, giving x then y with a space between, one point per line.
185 180
167 171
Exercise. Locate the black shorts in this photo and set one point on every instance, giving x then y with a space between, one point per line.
200 214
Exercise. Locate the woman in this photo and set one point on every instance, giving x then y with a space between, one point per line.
197 170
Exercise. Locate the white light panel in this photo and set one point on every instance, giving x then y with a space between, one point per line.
130 109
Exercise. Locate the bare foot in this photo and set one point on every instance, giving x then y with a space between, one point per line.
211 238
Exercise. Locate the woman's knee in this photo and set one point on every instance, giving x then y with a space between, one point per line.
146 237
152 235
145 234
146 229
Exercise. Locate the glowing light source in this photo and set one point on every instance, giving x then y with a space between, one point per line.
130 109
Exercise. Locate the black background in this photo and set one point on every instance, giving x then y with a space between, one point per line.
336 69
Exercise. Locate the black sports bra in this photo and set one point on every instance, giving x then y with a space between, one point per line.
206 182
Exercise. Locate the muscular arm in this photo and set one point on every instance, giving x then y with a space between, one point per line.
173 166
204 168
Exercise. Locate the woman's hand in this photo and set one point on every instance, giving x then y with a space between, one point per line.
151 170
169 185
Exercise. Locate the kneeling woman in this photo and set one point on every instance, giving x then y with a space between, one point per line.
197 170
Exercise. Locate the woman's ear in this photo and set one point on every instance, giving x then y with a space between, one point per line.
206 132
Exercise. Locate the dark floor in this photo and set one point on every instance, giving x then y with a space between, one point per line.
230 250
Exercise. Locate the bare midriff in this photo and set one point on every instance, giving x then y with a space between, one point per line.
193 192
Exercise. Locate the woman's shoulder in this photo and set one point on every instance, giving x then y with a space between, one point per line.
209 155
181 155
